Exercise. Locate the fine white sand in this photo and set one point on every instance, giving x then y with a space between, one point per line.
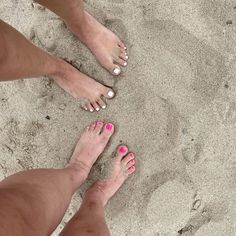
175 108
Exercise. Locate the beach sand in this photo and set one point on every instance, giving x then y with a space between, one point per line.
175 108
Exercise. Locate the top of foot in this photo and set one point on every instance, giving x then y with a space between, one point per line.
90 145
123 166
80 85
103 43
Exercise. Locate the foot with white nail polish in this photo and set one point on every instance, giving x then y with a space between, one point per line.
90 145
80 85
122 167
103 43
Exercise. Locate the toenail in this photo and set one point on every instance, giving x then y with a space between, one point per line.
99 123
122 149
110 94
91 110
125 48
126 53
109 126
125 63
85 108
97 109
116 71
104 106
126 57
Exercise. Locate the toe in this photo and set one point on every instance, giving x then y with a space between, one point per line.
107 131
98 127
116 70
92 126
131 170
121 152
108 93
130 164
95 106
84 107
101 103
121 62
128 158
122 45
124 56
89 107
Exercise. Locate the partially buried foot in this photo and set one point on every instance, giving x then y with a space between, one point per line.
123 166
103 43
90 145
80 85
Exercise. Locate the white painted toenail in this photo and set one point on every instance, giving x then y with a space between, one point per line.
104 106
91 110
97 109
85 108
126 57
125 48
126 53
116 71
110 94
125 63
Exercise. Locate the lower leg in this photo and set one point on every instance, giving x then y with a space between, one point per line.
90 219
35 201
104 44
21 59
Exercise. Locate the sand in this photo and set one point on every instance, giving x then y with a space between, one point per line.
175 108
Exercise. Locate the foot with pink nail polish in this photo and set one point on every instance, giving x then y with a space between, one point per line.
123 167
90 145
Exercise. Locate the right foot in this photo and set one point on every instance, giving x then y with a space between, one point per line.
80 85
123 167
89 147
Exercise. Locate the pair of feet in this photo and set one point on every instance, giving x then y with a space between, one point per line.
109 51
89 147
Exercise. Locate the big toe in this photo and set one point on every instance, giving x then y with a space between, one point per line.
108 93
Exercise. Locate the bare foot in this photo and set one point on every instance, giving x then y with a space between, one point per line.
103 43
90 145
80 85
123 167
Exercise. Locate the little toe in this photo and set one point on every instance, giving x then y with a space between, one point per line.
130 164
98 127
121 152
96 106
131 170
108 93
101 103
122 45
128 158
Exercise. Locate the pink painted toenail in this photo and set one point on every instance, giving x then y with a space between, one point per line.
122 149
99 123
109 126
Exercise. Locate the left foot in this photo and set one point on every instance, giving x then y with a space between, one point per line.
123 167
103 43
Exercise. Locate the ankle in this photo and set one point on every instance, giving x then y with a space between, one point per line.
96 194
59 69
79 172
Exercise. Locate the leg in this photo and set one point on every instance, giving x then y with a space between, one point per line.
35 201
90 219
104 44
20 59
